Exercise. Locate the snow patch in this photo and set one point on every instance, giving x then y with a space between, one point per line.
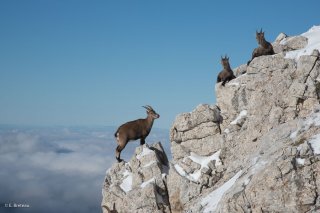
300 161
144 184
195 175
149 164
246 181
315 144
145 151
210 202
313 36
204 160
242 114
180 170
293 135
312 120
126 184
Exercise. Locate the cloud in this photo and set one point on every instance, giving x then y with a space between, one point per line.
59 169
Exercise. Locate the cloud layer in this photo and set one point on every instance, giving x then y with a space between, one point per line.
59 169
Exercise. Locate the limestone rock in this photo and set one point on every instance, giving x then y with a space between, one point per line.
267 162
284 43
140 184
267 158
294 43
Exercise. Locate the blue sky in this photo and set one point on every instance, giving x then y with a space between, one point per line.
97 62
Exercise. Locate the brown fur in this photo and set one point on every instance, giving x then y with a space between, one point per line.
226 74
265 48
133 130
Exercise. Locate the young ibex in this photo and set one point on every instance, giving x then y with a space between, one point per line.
226 74
133 130
265 48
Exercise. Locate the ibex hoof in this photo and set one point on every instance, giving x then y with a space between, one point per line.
119 160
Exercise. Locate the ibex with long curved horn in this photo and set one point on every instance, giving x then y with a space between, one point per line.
133 130
265 48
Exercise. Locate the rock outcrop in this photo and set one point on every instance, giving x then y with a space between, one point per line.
267 158
138 185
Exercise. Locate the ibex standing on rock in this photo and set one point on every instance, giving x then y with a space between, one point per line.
133 130
226 74
265 48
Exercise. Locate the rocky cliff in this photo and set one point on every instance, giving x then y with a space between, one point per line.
265 160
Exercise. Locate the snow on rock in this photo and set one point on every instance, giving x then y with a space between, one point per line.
144 184
180 170
242 114
139 185
300 161
126 184
145 151
192 177
313 36
195 176
204 160
312 120
210 202
315 144
150 163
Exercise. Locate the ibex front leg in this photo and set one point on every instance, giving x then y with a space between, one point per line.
142 141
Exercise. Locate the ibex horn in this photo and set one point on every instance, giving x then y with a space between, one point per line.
147 107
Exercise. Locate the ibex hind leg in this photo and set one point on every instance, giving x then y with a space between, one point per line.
142 141
118 152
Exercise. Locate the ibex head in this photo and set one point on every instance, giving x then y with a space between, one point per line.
151 112
225 61
260 36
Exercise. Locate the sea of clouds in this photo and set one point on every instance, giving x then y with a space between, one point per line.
59 169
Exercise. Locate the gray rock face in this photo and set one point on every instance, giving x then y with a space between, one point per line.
267 158
140 184
284 43
195 147
266 162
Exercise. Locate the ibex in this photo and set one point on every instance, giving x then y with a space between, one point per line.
226 74
265 48
133 130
